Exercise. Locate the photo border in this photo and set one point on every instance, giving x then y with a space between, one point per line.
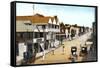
13 32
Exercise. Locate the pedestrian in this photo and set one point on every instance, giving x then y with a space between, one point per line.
53 51
63 47
26 58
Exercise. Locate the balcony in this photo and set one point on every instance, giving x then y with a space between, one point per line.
45 28
53 30
38 40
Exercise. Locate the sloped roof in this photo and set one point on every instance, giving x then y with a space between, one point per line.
36 19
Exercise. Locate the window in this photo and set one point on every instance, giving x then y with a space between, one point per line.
41 34
49 25
36 34
43 26
57 26
30 35
53 26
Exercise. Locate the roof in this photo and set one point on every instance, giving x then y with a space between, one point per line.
34 19
37 19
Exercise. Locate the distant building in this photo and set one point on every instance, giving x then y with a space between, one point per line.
94 28
94 35
71 30
75 30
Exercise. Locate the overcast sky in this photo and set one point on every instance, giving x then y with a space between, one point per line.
83 16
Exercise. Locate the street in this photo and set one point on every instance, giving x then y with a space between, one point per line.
63 53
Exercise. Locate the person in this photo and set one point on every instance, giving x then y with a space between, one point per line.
26 58
63 47
69 36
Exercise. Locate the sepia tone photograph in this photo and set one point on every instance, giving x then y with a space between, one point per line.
52 33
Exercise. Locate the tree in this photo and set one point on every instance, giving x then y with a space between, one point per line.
73 32
62 27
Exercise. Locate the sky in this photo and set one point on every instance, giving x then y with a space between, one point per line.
82 16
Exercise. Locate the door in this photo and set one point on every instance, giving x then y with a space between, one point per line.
31 52
29 49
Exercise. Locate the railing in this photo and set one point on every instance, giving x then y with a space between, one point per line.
54 30
46 29
35 40
39 40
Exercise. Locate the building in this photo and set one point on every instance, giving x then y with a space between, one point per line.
94 28
36 34
68 31
72 31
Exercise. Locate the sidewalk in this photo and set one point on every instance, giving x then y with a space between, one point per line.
59 56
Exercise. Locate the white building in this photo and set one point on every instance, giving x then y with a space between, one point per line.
69 29
35 34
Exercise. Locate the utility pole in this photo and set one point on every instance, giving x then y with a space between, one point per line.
33 9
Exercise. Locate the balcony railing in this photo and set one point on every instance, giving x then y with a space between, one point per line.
54 30
35 40
39 40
